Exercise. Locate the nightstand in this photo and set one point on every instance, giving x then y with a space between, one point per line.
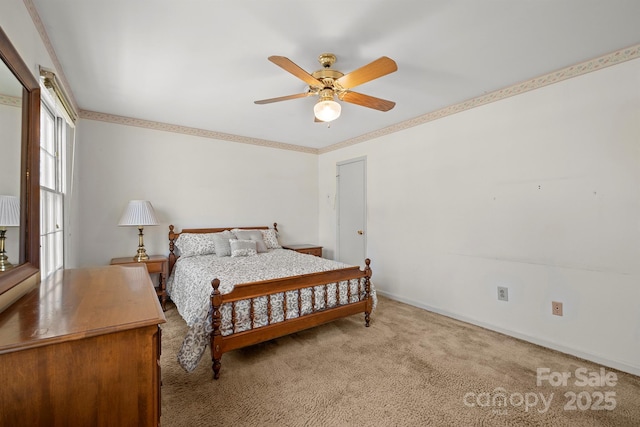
305 249
155 264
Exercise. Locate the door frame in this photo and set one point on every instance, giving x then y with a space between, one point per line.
362 159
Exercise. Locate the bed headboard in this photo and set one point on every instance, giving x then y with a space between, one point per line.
174 235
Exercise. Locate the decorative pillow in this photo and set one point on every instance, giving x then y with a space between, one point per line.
270 238
221 242
191 244
242 247
254 235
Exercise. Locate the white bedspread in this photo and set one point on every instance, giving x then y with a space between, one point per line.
189 287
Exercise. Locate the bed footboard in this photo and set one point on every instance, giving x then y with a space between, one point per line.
360 302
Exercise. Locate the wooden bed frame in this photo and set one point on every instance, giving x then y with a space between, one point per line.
221 344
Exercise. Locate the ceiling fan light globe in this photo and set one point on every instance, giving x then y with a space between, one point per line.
327 111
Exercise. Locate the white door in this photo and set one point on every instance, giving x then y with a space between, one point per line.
351 210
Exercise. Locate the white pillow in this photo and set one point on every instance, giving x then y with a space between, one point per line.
242 247
191 244
221 242
254 235
270 237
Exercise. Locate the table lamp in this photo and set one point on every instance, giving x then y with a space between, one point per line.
139 213
9 217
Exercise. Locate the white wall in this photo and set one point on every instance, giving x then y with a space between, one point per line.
11 143
539 193
191 182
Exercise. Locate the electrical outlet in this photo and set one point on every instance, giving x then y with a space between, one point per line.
556 308
503 293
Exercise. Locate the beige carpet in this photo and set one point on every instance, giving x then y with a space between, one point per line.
410 368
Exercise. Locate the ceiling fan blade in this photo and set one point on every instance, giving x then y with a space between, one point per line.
283 98
367 101
378 68
288 65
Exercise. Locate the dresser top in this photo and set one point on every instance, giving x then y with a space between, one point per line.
79 303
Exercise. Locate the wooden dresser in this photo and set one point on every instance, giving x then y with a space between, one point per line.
83 349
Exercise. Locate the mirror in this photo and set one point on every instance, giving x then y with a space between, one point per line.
19 169
10 130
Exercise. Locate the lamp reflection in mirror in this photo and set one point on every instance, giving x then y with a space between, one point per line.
139 213
9 217
327 110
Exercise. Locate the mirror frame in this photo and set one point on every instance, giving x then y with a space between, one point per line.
29 260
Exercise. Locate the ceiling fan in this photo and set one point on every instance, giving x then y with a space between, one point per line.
328 84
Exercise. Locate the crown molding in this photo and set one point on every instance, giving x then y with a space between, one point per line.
613 58
11 101
572 71
166 127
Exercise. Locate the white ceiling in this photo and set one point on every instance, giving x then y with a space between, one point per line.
202 63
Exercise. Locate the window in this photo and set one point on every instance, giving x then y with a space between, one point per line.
56 143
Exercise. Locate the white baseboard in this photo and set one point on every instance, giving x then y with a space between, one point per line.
587 356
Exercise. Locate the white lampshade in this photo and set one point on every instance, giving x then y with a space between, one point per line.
327 110
139 213
9 211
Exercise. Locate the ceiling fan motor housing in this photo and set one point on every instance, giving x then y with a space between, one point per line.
327 75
